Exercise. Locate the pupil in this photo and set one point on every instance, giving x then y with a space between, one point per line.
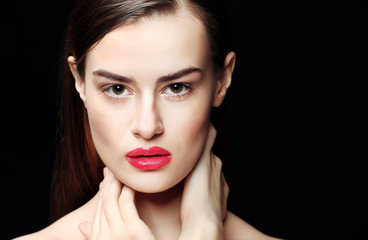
118 89
176 88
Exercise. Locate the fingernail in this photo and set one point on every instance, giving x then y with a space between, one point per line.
108 172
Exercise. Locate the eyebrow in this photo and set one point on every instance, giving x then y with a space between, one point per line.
166 78
112 76
179 74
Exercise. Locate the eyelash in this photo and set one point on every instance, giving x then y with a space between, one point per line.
187 90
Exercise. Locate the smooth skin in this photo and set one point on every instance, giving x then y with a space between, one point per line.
187 198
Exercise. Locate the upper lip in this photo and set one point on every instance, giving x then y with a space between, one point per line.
152 151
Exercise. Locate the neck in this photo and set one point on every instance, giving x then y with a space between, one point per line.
161 211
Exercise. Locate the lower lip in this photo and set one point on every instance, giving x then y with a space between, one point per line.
148 162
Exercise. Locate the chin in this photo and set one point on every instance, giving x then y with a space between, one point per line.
151 185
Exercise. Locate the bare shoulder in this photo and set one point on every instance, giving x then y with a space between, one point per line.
237 229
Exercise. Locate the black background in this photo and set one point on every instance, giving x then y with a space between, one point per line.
298 156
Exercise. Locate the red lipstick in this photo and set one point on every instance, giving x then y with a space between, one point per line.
152 158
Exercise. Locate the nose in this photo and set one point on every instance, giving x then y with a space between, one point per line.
147 122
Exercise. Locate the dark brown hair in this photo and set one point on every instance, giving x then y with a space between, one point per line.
78 168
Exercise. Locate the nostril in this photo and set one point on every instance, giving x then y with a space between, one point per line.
148 133
147 128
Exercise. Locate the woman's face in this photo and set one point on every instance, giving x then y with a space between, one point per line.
150 84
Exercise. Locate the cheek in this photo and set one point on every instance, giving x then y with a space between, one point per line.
101 130
194 127
188 129
107 129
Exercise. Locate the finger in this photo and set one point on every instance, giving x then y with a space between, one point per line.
98 213
128 209
105 172
216 164
205 158
96 218
225 194
86 229
226 189
102 222
111 201
210 138
104 226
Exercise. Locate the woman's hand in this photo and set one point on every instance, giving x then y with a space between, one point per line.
204 201
116 216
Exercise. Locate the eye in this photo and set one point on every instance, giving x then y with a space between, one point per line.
176 89
117 91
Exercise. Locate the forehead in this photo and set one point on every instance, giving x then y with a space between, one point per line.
156 45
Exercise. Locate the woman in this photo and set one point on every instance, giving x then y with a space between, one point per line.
140 80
